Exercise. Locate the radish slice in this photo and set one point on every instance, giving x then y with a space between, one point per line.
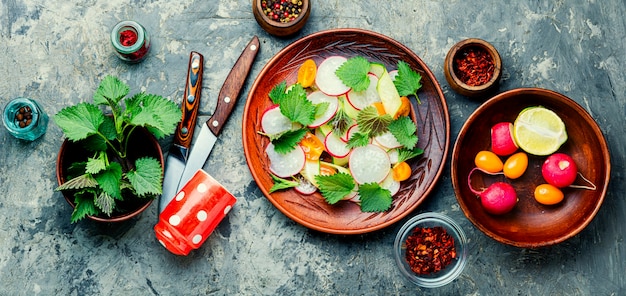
393 74
305 187
393 156
369 164
353 129
390 184
326 79
387 140
335 146
351 196
319 97
362 99
285 165
273 122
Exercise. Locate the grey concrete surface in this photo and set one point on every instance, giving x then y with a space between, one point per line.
57 52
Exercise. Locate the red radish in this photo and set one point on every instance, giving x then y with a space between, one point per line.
390 184
369 164
387 140
285 165
319 97
326 79
502 142
335 146
305 187
273 122
353 129
559 170
362 99
497 199
393 74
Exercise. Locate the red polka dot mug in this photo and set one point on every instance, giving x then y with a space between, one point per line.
188 220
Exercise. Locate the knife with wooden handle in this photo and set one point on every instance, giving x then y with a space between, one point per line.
179 151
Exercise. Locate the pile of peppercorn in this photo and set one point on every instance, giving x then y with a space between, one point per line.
24 116
282 11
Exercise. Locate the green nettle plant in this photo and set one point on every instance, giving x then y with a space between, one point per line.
104 127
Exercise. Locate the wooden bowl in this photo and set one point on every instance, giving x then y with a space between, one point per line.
461 87
431 116
530 224
278 28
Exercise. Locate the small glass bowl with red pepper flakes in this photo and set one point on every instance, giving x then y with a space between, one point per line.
473 67
430 250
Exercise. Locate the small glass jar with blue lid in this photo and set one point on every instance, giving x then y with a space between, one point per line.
25 119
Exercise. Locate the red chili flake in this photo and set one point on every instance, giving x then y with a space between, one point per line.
282 11
474 66
429 250
128 37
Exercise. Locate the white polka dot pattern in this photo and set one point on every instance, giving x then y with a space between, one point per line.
180 196
196 239
202 188
227 209
202 215
174 220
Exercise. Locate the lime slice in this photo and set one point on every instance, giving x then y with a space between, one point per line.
539 131
388 94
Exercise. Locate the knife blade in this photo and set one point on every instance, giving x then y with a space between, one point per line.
226 101
179 151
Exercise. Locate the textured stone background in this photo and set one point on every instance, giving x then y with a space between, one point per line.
57 52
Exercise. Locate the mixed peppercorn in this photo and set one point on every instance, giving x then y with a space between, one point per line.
283 11
429 250
474 66
24 116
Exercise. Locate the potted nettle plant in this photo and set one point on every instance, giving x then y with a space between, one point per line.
110 166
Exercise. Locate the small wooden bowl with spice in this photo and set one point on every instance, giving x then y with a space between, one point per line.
430 250
281 17
473 67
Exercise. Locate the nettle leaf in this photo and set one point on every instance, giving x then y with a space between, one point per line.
96 164
110 91
335 187
358 140
407 81
403 129
277 94
371 123
84 205
288 140
80 182
105 203
374 198
147 177
79 121
158 113
341 122
406 154
109 180
353 73
280 184
297 107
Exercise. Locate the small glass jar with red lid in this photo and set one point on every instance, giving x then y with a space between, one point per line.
131 41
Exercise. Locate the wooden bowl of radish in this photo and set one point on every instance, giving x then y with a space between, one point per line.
555 196
389 175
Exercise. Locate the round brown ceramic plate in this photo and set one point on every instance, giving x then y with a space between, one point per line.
431 116
531 224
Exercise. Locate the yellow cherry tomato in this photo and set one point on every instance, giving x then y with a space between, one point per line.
488 161
307 72
515 165
547 194
405 107
401 171
312 146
